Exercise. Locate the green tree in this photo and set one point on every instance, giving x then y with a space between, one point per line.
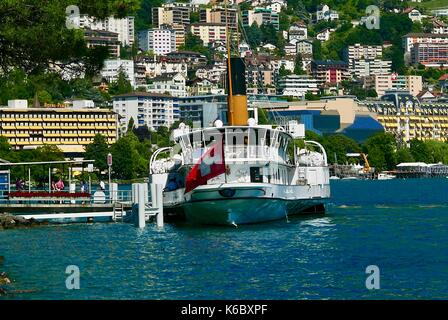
34 34
338 145
298 66
404 155
98 151
121 85
381 149
128 162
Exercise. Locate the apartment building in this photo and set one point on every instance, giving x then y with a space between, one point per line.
411 39
218 15
430 55
158 40
298 31
113 67
383 83
209 32
329 71
171 14
260 16
99 38
362 52
203 110
297 86
70 129
151 109
365 68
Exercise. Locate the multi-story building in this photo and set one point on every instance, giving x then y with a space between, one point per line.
171 14
70 129
260 16
382 83
160 41
408 118
365 68
200 87
324 35
112 69
329 72
298 31
411 39
218 15
362 52
99 38
204 110
156 66
260 76
180 34
173 84
146 109
193 59
209 32
297 86
124 27
430 55
305 47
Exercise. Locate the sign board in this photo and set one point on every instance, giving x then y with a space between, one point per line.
109 160
4 180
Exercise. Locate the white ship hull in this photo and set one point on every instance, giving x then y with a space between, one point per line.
250 203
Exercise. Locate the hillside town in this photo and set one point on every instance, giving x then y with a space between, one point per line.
320 64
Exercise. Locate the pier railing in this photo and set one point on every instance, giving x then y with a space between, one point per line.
37 196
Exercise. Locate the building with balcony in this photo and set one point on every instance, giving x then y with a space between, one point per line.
329 71
430 55
99 38
70 129
297 86
209 32
407 118
260 16
146 109
158 40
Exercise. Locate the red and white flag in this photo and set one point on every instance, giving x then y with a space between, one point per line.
209 166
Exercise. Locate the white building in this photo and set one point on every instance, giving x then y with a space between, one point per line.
297 85
298 31
113 67
160 41
124 27
324 13
173 84
276 5
151 109
155 67
415 15
363 68
324 35
83 104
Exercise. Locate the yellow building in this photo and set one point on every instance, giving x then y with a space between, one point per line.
67 128
410 119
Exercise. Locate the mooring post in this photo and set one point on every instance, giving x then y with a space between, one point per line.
141 206
157 202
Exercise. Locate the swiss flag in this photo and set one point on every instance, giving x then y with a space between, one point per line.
209 166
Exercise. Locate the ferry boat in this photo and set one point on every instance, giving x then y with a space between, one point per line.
244 172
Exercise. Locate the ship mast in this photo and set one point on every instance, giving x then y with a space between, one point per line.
236 83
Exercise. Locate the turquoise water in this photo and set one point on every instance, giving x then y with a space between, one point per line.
399 225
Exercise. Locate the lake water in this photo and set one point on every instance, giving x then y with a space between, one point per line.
398 225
